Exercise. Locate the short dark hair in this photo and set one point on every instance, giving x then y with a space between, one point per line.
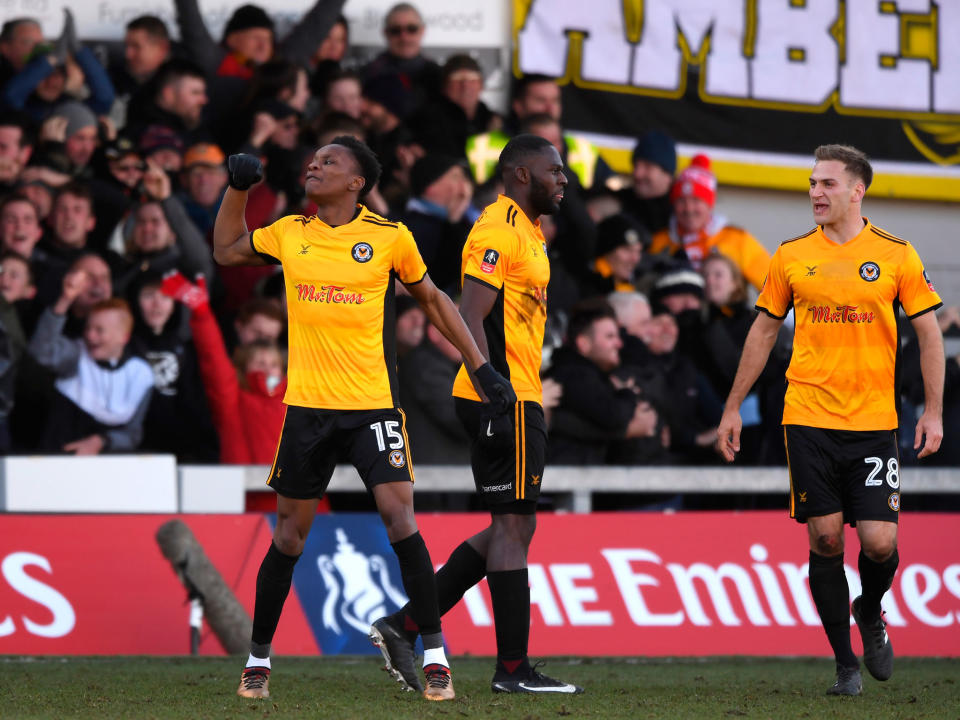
519 149
369 165
461 61
173 70
76 188
10 27
537 120
13 255
584 314
854 161
11 117
521 84
151 25
17 197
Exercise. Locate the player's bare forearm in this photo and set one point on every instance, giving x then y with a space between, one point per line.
760 341
231 241
932 361
442 313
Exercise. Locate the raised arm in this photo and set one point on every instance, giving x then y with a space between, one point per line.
756 350
933 368
231 240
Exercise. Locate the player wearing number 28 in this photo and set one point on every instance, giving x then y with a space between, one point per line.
340 269
846 280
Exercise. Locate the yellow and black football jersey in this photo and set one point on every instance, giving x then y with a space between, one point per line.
340 296
507 253
842 375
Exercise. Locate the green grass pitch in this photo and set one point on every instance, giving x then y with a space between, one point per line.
355 687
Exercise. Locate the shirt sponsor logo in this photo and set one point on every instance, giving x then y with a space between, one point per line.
362 252
840 314
490 258
870 271
496 488
328 294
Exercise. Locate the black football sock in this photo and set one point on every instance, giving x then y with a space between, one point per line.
464 568
273 585
828 585
416 572
510 595
875 579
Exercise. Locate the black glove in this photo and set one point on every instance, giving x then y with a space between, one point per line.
497 388
244 170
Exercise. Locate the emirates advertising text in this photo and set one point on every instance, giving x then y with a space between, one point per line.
636 584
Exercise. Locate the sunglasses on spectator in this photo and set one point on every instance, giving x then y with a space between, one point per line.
411 29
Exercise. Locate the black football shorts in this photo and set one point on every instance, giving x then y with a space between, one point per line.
508 473
313 441
856 473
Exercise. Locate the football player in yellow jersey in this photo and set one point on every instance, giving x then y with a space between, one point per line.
339 271
845 280
505 274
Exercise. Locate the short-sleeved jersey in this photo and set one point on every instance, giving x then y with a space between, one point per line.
842 375
507 253
340 304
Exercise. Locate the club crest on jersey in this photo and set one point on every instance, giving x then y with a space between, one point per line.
929 283
490 259
870 271
362 252
894 502
397 459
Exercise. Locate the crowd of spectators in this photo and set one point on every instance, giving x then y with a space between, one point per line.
118 333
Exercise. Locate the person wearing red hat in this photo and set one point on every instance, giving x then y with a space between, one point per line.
696 231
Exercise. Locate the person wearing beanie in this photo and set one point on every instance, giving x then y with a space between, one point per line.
696 231
654 166
677 291
436 214
619 250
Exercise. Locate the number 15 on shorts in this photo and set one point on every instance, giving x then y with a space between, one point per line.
387 429
893 472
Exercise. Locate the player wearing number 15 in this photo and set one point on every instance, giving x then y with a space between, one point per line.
846 280
339 268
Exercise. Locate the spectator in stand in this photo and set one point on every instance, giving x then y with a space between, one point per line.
326 61
246 399
18 288
728 320
161 236
71 221
419 77
696 230
259 320
20 228
411 325
16 146
12 347
163 146
174 98
18 38
343 93
68 139
203 179
275 84
445 124
425 375
119 172
596 409
146 46
102 391
440 191
654 165
178 420
57 73
619 250
383 107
